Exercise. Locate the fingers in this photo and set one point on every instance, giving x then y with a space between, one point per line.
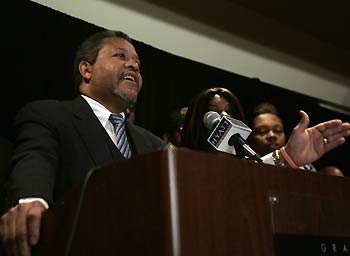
333 130
20 228
334 143
332 133
34 220
8 231
20 236
326 127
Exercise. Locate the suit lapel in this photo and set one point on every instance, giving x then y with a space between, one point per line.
92 133
136 139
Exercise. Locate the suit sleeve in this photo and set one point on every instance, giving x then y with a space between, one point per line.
35 159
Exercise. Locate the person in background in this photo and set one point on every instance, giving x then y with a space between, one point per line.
304 146
173 126
218 99
267 129
331 170
58 142
268 134
130 113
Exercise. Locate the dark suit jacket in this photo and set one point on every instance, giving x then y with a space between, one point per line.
58 142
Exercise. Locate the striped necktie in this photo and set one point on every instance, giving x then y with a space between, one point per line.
122 142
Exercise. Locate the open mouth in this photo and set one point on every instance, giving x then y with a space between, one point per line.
129 78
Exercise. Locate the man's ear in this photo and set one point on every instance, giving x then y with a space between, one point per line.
85 70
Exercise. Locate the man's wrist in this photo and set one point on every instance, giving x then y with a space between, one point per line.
287 159
278 159
33 199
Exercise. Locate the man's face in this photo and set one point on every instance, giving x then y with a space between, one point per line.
117 70
268 134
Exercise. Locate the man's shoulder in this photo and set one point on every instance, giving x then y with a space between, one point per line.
53 103
45 108
50 105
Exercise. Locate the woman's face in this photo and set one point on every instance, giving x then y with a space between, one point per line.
220 104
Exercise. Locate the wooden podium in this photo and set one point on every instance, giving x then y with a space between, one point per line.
177 202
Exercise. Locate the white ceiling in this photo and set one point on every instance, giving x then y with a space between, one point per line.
317 31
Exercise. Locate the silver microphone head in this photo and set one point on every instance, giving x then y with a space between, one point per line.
211 119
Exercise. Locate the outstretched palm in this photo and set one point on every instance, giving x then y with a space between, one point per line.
306 145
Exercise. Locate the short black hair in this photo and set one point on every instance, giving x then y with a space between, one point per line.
263 108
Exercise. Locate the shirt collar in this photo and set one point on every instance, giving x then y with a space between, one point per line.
101 112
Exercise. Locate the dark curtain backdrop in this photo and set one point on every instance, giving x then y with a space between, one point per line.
38 45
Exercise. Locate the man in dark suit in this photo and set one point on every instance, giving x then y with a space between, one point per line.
59 142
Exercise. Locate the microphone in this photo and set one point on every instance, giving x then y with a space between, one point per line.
228 135
211 119
236 140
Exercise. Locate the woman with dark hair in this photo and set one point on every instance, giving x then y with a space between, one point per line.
218 99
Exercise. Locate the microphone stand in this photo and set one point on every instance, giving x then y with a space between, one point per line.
238 142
